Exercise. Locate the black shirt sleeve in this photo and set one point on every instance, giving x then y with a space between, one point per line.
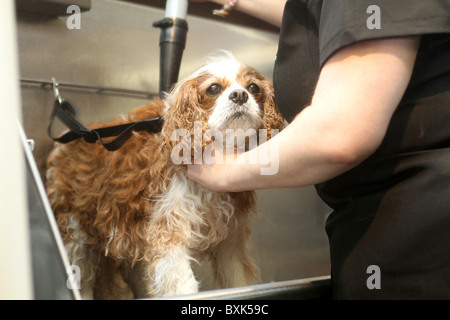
343 22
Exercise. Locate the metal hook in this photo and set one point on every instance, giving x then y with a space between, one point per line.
56 90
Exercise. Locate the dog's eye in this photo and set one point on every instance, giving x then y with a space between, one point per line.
214 90
254 89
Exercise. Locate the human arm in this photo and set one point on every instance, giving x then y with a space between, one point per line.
270 11
358 90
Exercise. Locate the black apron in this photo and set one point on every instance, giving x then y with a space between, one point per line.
393 210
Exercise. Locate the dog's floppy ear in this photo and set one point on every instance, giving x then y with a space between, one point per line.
272 117
183 105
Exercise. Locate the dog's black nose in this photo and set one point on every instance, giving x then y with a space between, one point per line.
238 96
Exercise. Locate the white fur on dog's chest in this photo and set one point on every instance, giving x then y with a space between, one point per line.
208 215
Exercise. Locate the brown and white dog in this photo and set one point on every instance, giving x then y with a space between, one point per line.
131 219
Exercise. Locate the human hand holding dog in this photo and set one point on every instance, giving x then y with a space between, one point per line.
340 128
216 173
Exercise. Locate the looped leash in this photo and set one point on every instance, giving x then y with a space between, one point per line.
66 113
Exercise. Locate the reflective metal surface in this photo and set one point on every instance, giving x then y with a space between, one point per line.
49 260
303 289
117 47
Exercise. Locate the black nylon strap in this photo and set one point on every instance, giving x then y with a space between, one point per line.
66 113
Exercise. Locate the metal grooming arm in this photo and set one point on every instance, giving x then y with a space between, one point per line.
174 29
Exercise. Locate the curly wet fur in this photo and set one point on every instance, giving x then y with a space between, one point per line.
130 219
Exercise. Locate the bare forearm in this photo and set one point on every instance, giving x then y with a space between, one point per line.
347 120
270 11
267 10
